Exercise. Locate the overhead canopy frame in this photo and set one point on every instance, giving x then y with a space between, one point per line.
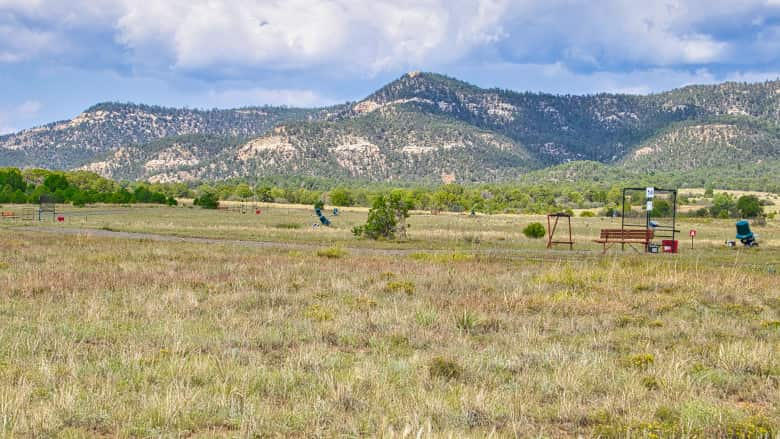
660 230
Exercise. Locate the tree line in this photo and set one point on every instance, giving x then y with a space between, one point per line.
604 198
78 188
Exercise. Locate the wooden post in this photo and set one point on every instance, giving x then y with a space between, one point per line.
553 226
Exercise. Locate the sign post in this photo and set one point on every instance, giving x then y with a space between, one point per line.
693 235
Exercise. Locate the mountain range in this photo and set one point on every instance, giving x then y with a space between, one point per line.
423 126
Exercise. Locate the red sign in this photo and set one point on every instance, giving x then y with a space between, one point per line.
257 212
693 233
60 218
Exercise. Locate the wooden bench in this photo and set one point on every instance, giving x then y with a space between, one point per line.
610 237
8 215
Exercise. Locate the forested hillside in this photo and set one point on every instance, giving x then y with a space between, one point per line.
424 127
106 127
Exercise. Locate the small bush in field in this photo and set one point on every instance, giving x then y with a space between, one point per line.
318 313
752 427
400 286
441 367
386 219
534 230
640 361
289 226
467 321
207 201
650 383
332 253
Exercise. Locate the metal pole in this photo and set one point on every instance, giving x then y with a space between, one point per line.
674 216
623 220
647 220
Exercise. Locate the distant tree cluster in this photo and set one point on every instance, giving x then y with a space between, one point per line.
520 197
78 188
724 205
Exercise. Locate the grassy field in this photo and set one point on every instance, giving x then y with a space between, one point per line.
468 329
294 224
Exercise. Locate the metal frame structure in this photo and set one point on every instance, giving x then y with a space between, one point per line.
28 214
47 205
659 230
551 227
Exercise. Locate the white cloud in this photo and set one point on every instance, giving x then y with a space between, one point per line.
293 34
18 115
354 34
19 44
303 52
386 35
263 96
614 32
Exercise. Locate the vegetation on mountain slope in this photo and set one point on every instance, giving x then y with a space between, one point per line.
717 143
391 144
423 127
557 128
106 127
169 156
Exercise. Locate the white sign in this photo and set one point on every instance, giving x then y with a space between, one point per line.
649 206
650 192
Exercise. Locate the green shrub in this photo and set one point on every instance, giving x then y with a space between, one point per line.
341 197
332 253
467 321
534 230
661 208
650 383
399 286
207 201
290 226
318 313
426 317
640 361
587 214
386 218
752 427
749 206
441 367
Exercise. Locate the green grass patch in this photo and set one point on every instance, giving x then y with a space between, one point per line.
332 253
287 226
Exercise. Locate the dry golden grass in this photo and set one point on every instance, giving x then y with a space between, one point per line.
138 338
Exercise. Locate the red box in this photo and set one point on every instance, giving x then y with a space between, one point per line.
670 246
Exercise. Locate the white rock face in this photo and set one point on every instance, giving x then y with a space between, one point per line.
369 106
358 155
275 143
171 158
173 177
427 149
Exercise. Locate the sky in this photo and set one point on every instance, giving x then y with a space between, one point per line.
58 57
